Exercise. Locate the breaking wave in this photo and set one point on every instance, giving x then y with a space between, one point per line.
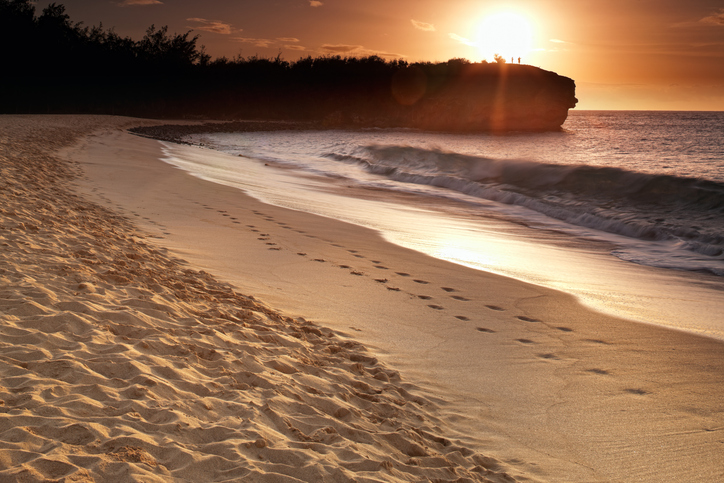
638 205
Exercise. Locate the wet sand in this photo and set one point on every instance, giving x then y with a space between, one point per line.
124 325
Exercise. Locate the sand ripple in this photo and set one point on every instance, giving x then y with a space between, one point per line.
120 363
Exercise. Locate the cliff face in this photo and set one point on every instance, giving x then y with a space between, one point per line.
483 97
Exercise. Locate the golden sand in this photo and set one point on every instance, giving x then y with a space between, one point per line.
119 363
122 358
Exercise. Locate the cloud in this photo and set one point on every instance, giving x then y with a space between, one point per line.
213 26
287 43
266 43
340 48
715 18
428 27
462 40
315 3
133 3
378 53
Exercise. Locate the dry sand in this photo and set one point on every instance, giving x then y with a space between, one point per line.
119 363
122 362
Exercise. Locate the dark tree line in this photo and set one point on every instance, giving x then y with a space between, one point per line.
51 65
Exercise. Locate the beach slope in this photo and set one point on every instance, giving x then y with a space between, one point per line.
129 352
119 362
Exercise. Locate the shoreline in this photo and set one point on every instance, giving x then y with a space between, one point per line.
581 264
120 362
556 392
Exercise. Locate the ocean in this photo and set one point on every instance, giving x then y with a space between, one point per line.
624 210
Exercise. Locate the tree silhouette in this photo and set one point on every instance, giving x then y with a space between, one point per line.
50 64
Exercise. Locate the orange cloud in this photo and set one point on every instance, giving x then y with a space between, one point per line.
213 26
340 48
257 42
715 18
428 27
462 40
315 3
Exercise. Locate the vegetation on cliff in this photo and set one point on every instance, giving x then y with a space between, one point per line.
53 65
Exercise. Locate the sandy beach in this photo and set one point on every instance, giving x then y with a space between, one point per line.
158 327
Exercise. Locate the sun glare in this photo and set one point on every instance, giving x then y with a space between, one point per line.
506 34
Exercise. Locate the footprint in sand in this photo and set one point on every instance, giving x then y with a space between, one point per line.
393 289
301 254
355 272
344 266
424 297
381 267
270 243
597 341
424 282
359 256
321 260
458 297
565 329
436 307
274 248
602 372
462 317
548 356
485 329
638 392
381 280
448 289
402 274
353 251
527 319
525 341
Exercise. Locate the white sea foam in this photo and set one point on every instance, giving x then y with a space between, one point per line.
666 186
555 187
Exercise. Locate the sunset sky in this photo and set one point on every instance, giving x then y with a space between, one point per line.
623 54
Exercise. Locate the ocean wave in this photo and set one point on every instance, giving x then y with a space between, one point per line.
654 207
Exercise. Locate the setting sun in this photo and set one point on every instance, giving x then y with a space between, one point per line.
507 34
